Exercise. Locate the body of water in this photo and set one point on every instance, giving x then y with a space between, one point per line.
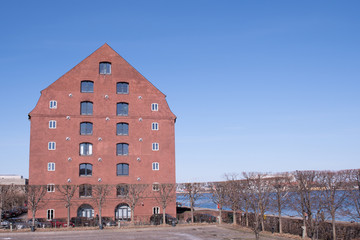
205 201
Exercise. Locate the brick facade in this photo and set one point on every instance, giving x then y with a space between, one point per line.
66 91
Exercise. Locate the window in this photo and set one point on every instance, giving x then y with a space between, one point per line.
156 210
122 190
122 169
86 128
122 88
52 124
53 104
123 212
52 145
86 108
155 126
85 190
85 169
155 187
122 129
87 86
50 214
51 166
85 149
105 68
122 109
85 211
155 146
154 107
122 149
50 187
155 166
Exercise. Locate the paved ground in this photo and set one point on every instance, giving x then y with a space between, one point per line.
208 232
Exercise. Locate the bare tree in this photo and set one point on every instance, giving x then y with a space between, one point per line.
233 194
66 194
219 196
100 194
164 195
193 191
332 184
4 197
353 189
253 203
136 192
259 194
280 185
36 194
305 199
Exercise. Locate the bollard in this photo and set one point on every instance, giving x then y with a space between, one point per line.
118 223
11 227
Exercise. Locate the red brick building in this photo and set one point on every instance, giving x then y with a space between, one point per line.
101 123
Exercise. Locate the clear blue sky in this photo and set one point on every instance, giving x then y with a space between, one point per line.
256 85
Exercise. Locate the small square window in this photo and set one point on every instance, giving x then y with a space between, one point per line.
52 145
87 87
53 104
154 107
155 146
85 149
122 88
50 187
52 124
155 166
155 126
86 128
105 68
51 166
155 187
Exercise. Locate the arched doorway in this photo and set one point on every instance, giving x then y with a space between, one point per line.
123 212
85 210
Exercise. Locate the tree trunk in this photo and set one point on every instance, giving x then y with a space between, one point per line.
192 212
333 226
132 216
247 218
262 222
220 216
234 217
33 218
280 223
100 218
164 216
68 217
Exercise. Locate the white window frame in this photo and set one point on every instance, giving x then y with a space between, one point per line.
155 166
52 124
50 187
51 145
155 126
156 210
53 104
155 146
51 166
154 107
50 212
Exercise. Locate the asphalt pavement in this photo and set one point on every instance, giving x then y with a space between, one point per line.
206 232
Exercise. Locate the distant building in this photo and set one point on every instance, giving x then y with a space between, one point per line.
102 123
9 179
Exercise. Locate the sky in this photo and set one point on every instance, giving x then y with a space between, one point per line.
268 86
